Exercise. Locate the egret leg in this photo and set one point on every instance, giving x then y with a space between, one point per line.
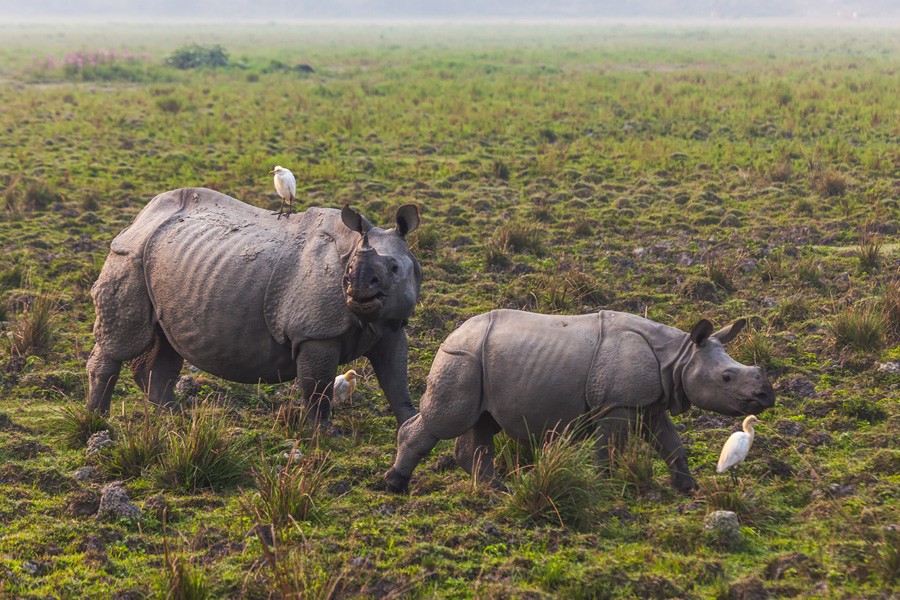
733 477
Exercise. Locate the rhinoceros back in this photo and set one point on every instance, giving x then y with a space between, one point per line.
216 270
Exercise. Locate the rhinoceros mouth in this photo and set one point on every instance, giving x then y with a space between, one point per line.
365 307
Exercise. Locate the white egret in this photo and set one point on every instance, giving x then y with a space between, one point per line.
736 448
286 186
344 385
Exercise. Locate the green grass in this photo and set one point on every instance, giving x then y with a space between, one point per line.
678 172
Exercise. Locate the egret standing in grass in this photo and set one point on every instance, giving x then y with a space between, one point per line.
344 385
736 448
286 186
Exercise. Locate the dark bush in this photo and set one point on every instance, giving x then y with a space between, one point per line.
196 56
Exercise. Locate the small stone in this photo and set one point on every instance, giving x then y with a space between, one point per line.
97 442
892 367
85 473
32 567
723 527
359 562
748 266
114 502
769 302
836 490
187 386
293 454
639 253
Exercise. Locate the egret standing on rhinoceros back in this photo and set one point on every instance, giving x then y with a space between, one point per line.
203 277
528 373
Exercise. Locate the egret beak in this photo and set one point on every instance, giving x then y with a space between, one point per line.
272 172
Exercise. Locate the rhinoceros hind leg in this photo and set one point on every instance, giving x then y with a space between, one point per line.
156 371
414 442
475 449
103 373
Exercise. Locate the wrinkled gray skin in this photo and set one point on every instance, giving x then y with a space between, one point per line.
203 277
527 374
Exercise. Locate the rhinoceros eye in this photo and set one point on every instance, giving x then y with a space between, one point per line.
726 377
394 268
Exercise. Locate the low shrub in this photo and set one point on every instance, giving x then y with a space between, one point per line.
195 56
561 486
201 452
33 330
75 424
860 327
287 493
139 444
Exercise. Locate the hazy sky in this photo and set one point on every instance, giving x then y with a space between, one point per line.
449 9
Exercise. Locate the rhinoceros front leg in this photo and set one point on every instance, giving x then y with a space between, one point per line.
659 431
414 442
389 358
317 362
103 373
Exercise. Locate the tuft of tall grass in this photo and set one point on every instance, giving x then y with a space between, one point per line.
830 183
631 461
180 580
561 486
720 274
200 452
40 195
519 237
32 332
868 252
861 327
300 571
724 496
890 306
288 493
139 444
756 348
75 424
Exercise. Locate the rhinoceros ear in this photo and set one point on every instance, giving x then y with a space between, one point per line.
353 220
701 331
407 219
726 334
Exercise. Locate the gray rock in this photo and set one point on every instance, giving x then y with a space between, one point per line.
723 528
97 442
187 386
85 473
892 367
769 302
114 501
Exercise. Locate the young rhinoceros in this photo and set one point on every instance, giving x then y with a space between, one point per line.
527 373
242 295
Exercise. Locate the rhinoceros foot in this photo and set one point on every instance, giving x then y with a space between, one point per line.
396 482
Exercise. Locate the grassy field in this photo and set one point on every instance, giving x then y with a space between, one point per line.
679 173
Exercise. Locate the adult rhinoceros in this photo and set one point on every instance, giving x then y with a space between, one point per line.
250 298
528 373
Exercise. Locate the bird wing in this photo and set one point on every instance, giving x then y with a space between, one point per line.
734 451
291 184
340 389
